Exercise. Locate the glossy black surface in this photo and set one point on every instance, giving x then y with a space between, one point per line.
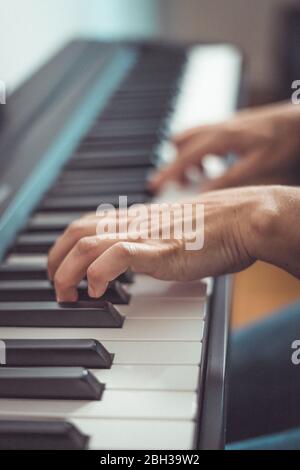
49 383
41 435
87 353
89 314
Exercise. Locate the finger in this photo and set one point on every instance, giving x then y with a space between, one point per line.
244 172
83 227
191 154
74 267
182 137
75 231
140 257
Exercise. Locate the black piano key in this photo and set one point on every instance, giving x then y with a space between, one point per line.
106 174
41 435
113 183
51 222
81 314
22 272
12 272
87 353
98 190
127 277
88 203
49 383
92 160
147 141
35 243
43 291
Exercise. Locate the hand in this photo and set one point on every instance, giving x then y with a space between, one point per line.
239 228
266 140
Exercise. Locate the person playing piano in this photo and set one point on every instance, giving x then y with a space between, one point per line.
252 213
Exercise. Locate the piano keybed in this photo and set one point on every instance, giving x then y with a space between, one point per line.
126 371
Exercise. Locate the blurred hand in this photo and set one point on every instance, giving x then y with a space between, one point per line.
240 226
266 140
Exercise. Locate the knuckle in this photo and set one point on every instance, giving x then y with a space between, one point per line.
85 245
92 273
124 250
229 131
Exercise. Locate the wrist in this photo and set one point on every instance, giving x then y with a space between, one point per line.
264 224
275 228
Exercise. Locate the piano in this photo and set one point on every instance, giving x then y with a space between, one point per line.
145 366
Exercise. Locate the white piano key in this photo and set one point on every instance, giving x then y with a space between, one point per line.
145 286
155 352
51 218
111 434
114 404
26 259
132 330
148 307
146 377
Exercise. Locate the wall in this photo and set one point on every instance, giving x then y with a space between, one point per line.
251 24
30 30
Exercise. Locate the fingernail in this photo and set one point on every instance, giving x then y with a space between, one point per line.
92 291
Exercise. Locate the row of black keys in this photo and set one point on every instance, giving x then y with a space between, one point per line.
119 150
116 156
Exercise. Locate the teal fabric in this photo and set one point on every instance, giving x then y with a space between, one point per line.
264 385
288 440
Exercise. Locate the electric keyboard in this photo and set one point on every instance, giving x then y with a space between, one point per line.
143 367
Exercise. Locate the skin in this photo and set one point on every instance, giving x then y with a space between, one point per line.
265 140
241 224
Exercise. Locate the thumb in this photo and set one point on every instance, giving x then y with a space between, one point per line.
242 173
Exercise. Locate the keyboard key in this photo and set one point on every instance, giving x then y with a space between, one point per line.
86 353
11 272
77 189
35 242
155 352
41 435
88 203
150 377
165 308
146 286
134 329
18 268
122 404
118 434
51 221
52 383
82 314
44 291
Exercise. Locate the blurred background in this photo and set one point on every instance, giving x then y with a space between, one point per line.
33 29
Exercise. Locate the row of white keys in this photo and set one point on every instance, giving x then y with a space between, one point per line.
151 389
